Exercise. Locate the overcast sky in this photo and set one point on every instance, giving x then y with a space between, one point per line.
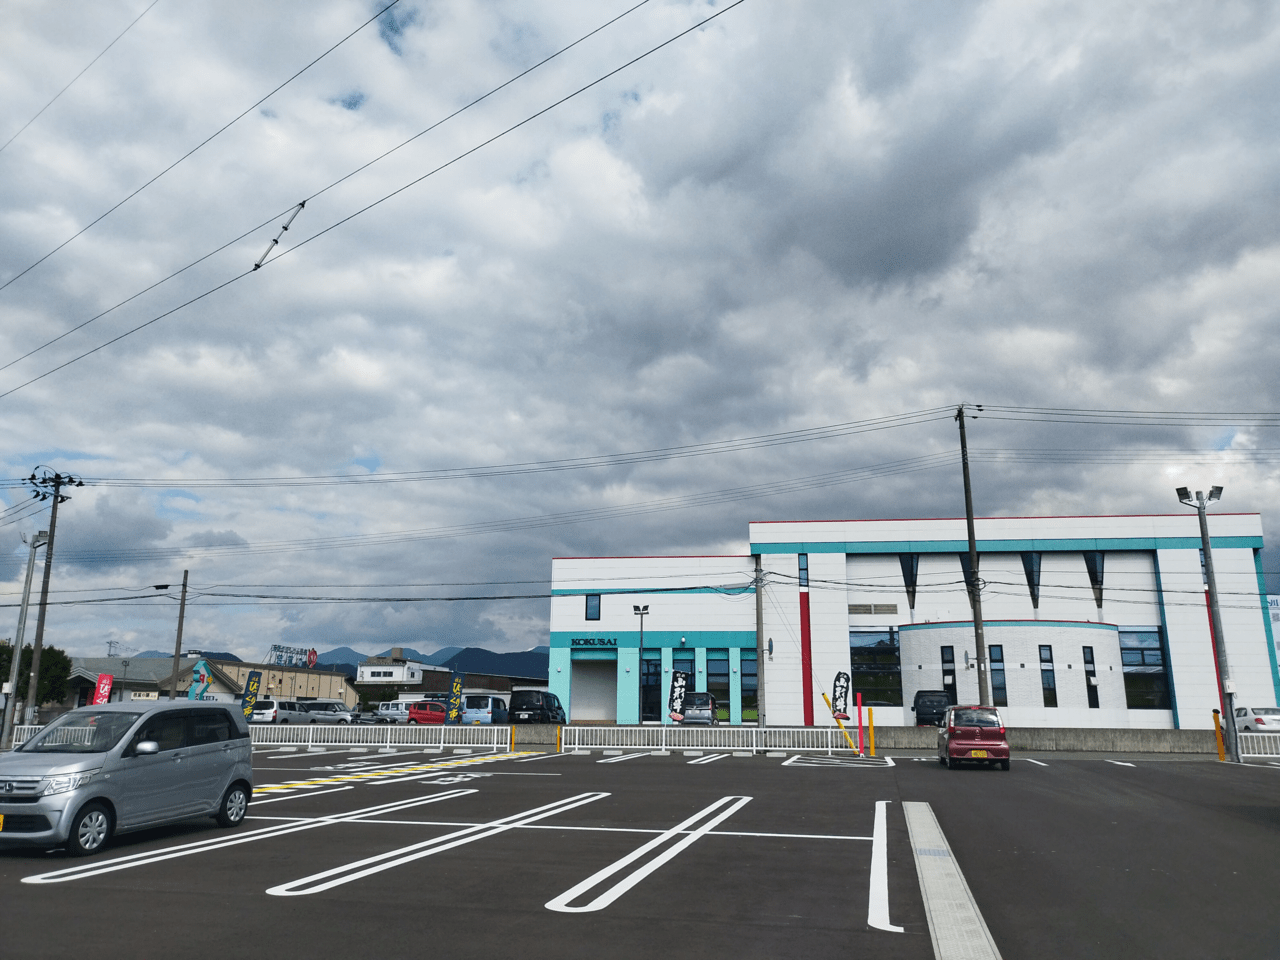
795 216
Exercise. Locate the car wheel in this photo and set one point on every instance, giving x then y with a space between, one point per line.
1004 764
942 761
413 721
953 763
235 804
90 830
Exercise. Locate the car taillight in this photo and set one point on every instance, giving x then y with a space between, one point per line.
1259 721
1002 733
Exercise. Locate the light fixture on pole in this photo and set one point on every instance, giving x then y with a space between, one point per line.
1226 686
641 612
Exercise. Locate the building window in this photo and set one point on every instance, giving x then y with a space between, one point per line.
718 682
1146 676
1047 682
875 667
999 693
750 690
949 672
651 687
1093 563
804 569
593 606
1090 678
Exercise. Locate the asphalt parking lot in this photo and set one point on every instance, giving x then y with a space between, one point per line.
367 854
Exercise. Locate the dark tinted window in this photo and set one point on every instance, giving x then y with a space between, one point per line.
210 726
593 606
169 730
526 700
265 705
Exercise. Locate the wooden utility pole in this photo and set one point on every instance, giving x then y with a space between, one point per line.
974 585
47 487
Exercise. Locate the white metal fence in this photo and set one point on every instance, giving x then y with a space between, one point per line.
1260 744
665 737
493 737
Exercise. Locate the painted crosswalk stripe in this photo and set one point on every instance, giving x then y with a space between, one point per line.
350 872
710 758
625 756
682 831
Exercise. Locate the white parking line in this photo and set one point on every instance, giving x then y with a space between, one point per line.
561 903
349 872
625 756
542 756
955 923
98 867
710 758
1120 763
878 897
1036 762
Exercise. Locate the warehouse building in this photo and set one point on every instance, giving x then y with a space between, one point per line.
1089 622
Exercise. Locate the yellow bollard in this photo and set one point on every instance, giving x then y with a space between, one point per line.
848 739
1217 732
871 728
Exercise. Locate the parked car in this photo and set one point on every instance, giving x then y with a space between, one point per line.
395 711
699 709
428 711
99 771
480 708
972 733
930 706
535 706
279 711
327 711
1258 719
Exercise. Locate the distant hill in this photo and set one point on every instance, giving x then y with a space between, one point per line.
478 660
442 656
341 655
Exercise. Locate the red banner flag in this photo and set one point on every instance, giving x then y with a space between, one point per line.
103 693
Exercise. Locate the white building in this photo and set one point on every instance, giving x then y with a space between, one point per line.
1089 622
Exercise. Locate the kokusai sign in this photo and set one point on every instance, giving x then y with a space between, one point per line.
594 642
281 656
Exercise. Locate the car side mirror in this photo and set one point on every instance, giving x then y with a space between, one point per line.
913 708
146 748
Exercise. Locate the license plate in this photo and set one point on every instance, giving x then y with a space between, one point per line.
977 753
523 716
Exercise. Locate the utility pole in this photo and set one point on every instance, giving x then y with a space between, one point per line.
1226 686
177 646
975 590
47 486
11 702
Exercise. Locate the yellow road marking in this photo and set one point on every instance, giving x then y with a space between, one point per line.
395 772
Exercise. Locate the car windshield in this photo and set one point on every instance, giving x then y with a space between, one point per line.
81 731
1267 711
975 718
526 700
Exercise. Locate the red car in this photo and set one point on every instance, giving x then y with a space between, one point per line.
428 711
972 733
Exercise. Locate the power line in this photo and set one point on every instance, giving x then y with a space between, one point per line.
326 188
366 208
77 77
1168 418
198 146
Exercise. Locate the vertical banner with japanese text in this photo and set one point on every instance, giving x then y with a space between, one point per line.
249 699
103 692
455 699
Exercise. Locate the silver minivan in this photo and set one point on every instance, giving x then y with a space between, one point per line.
98 771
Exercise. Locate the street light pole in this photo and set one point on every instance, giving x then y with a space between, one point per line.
1226 686
11 702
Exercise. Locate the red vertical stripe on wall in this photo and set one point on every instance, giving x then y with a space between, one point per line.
806 660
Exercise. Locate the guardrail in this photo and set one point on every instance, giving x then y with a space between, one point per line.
1259 744
491 736
666 737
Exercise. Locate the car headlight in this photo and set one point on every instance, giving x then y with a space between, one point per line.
74 781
